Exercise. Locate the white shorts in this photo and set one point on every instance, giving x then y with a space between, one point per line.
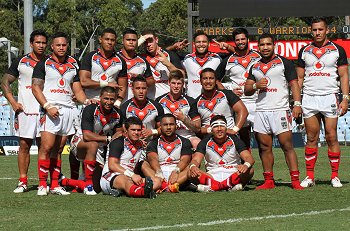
327 105
221 173
61 126
251 107
106 178
27 126
74 146
273 122
101 153
167 169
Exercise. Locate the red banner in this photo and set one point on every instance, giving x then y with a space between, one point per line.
286 48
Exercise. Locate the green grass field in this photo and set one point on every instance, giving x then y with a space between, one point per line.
319 208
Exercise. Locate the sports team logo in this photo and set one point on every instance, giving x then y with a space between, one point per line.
61 83
266 67
105 64
149 109
319 52
212 103
318 65
244 62
220 150
169 148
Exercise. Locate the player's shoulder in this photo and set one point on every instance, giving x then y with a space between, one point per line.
91 107
159 98
184 140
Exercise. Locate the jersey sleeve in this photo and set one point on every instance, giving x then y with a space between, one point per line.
123 73
39 70
193 112
221 69
87 118
251 76
152 146
121 121
116 147
187 148
239 144
160 111
289 70
13 69
123 108
342 60
175 59
202 146
148 71
232 98
86 62
301 62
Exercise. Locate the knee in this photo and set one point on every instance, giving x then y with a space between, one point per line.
331 138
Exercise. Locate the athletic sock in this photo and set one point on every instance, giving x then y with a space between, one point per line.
230 181
79 184
24 180
137 191
55 171
334 160
294 176
43 171
89 167
269 181
310 160
207 180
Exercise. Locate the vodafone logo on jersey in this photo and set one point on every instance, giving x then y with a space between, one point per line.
61 83
318 65
103 77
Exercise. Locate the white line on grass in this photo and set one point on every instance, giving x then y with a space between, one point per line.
236 220
11 178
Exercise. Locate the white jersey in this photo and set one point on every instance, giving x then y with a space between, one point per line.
58 79
103 69
22 69
233 71
321 67
194 66
279 71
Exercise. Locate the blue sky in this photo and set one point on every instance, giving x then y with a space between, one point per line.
146 3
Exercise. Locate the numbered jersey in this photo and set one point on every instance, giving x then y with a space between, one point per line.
321 67
194 66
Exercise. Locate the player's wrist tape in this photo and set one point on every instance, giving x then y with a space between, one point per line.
46 105
346 97
128 173
117 103
108 139
235 129
159 173
86 102
177 169
209 130
192 165
103 83
154 131
247 164
254 86
141 40
297 104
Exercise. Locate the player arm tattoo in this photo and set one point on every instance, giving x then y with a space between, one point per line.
38 82
6 82
37 89
192 125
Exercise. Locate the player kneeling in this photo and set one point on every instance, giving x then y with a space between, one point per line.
120 170
223 155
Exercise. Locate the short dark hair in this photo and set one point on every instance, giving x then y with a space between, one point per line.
240 30
59 35
132 120
149 31
218 117
37 33
176 74
266 35
138 78
208 69
198 33
109 31
168 115
319 19
108 89
129 31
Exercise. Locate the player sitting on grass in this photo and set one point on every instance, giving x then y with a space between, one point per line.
169 154
121 170
223 155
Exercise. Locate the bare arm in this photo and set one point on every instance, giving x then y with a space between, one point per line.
123 86
183 163
197 158
86 81
114 166
6 82
150 81
344 85
294 85
79 92
247 157
153 160
301 74
193 125
89 136
241 113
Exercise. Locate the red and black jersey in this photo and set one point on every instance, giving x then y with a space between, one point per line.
217 155
93 120
321 67
170 152
220 103
279 72
150 114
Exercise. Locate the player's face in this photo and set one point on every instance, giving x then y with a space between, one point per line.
241 42
139 89
130 42
134 132
219 132
168 126
208 81
107 100
266 47
201 44
59 46
151 44
107 42
319 32
39 44
176 86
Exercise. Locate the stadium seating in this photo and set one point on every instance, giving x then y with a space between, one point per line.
7 118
